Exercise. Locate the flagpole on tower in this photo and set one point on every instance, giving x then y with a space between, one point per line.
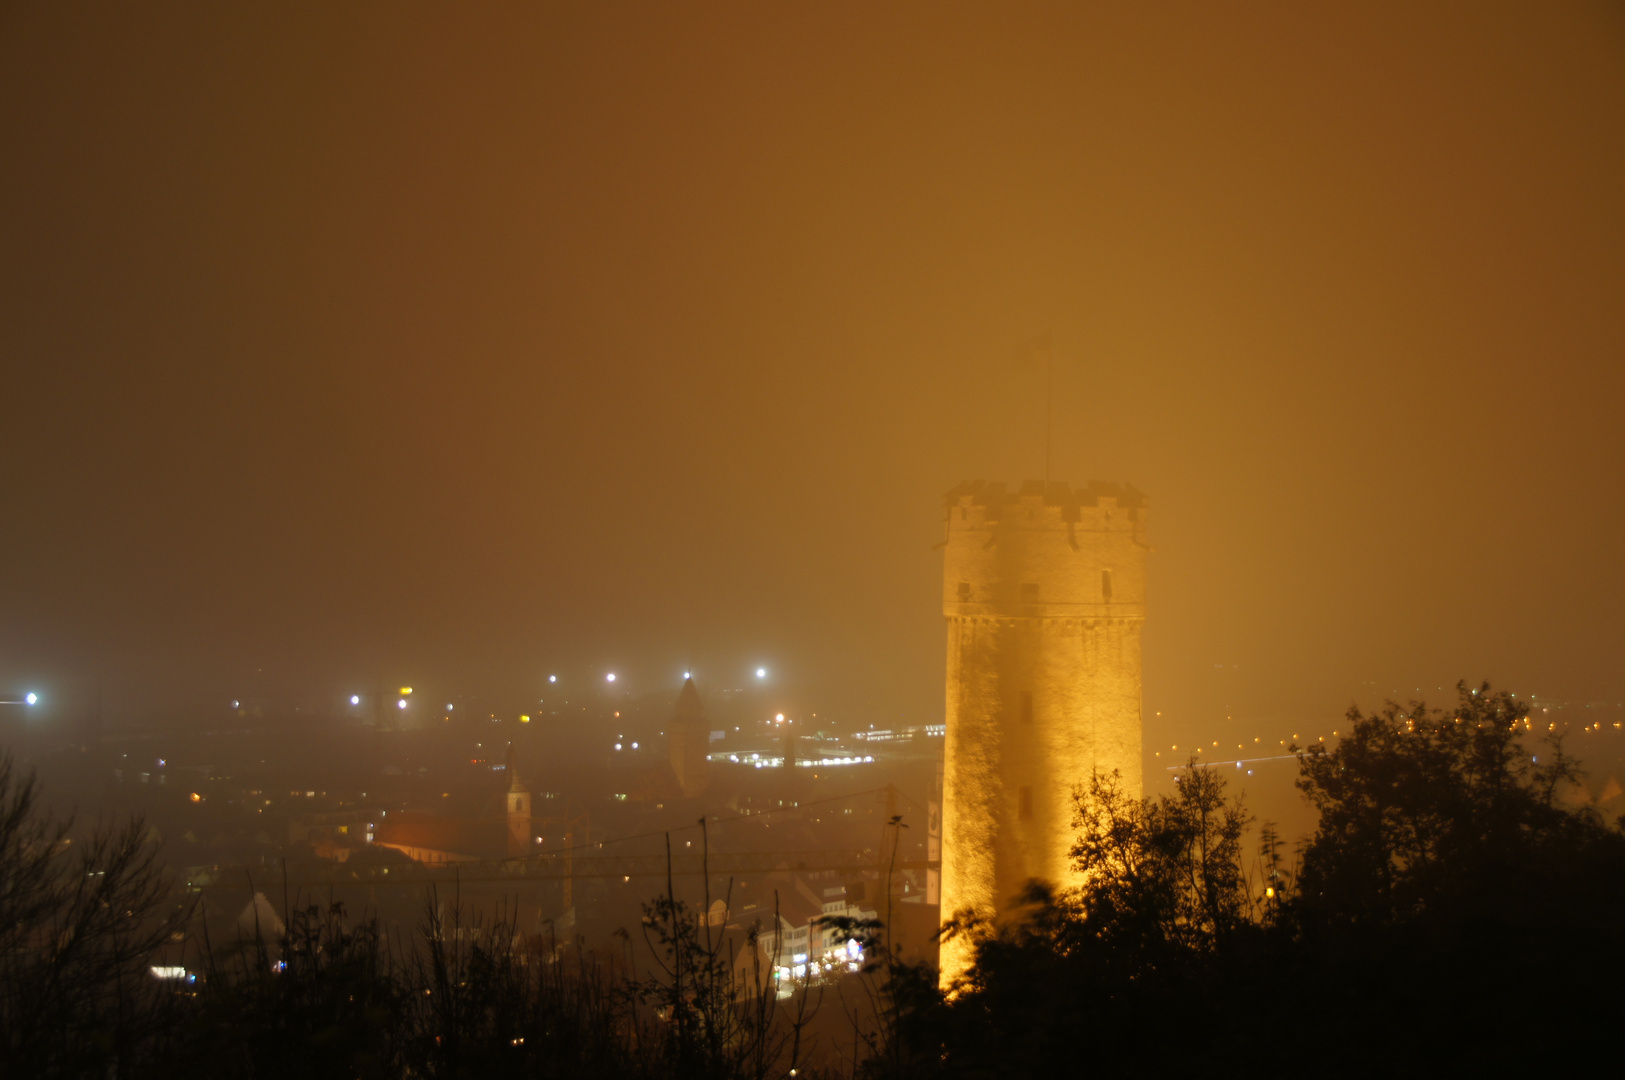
1049 401
1025 354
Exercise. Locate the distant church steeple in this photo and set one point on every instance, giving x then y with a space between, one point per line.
689 741
518 807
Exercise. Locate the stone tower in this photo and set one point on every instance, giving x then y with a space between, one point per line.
1044 592
518 807
690 742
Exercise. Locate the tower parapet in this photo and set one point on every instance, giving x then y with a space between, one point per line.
1044 594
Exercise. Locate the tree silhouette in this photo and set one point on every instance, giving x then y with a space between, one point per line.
80 916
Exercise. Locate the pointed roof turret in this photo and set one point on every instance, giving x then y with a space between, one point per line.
688 700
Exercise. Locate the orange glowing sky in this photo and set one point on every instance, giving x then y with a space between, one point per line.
454 344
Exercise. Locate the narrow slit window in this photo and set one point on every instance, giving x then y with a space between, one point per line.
1106 585
1024 802
1026 706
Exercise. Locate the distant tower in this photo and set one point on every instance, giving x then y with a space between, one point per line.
1045 596
689 742
518 808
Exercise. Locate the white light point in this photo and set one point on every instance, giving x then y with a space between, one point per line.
401 704
552 678
32 698
761 673
610 677
355 699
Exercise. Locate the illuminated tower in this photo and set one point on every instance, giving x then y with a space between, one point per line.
1044 591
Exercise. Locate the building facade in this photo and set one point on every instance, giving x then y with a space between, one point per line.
1044 594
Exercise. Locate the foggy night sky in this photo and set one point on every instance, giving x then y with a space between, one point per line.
346 343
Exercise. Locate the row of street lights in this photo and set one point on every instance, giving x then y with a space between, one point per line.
761 673
406 691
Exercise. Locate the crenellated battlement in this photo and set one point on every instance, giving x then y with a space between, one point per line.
987 502
1060 552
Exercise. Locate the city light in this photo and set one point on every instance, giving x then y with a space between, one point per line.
686 675
552 678
761 673
401 704
32 698
355 699
610 677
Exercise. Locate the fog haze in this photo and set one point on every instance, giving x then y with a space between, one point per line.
374 344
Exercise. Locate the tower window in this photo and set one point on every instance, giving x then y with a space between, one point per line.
1029 592
964 590
1106 585
1024 802
1026 706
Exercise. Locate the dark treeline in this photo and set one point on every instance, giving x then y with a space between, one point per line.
1454 912
1450 915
